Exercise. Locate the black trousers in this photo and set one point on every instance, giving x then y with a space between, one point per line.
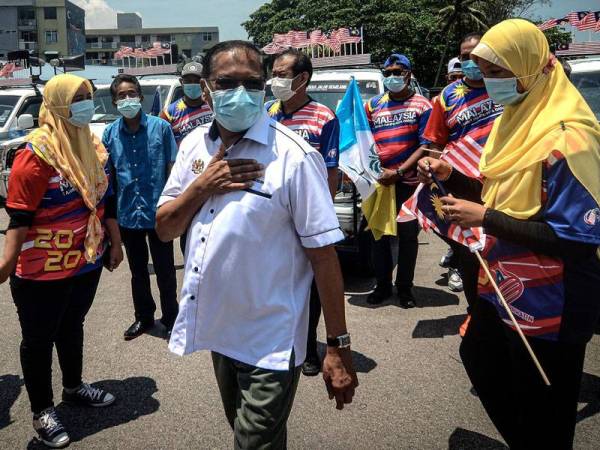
314 314
136 248
408 245
527 413
52 313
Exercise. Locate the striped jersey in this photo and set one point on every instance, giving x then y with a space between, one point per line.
398 127
461 121
184 119
54 246
549 296
315 123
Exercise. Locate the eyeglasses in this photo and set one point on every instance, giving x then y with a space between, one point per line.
395 72
251 84
455 77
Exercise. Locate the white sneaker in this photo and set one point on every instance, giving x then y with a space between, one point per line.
455 283
445 261
50 430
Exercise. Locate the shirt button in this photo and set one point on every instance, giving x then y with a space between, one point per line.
139 207
137 192
135 165
193 297
226 153
202 239
212 211
195 269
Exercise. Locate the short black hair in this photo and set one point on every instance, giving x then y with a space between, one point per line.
474 35
124 78
302 61
227 46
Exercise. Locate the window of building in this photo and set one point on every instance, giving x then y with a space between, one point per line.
51 37
50 13
26 13
206 36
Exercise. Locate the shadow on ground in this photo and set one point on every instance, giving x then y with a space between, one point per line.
462 439
438 328
590 395
10 389
425 298
361 362
134 400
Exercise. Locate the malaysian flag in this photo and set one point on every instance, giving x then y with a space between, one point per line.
298 39
579 48
550 23
123 52
8 70
425 206
317 38
273 48
589 22
157 50
575 17
464 155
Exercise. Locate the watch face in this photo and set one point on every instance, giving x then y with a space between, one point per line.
344 341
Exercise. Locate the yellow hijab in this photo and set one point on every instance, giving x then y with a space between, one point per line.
553 116
73 151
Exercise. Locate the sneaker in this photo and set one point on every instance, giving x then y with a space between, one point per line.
445 261
406 298
87 395
379 295
50 430
463 328
455 283
311 366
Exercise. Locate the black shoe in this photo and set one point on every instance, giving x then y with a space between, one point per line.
136 329
50 430
379 295
311 366
87 395
406 298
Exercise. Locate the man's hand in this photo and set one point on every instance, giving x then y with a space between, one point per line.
115 257
5 270
388 177
223 176
428 165
339 375
463 212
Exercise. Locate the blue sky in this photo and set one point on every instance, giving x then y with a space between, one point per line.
229 14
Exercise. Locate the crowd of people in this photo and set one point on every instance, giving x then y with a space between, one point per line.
241 183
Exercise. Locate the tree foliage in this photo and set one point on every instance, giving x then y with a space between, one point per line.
418 28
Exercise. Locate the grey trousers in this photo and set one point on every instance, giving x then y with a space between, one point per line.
257 402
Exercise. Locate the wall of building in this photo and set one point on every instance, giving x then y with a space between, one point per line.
9 39
50 25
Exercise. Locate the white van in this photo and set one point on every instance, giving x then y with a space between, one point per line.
585 75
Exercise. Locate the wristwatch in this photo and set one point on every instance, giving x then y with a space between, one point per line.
399 172
342 341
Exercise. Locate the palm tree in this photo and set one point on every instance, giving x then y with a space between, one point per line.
457 18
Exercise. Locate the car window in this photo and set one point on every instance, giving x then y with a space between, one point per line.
104 111
588 83
330 93
7 104
177 94
149 91
32 106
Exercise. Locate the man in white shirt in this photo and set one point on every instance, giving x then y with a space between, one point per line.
255 198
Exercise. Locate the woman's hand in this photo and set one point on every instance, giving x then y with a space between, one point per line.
5 270
388 177
463 212
115 257
426 166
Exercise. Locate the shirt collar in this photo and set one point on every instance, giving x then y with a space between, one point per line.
143 122
259 132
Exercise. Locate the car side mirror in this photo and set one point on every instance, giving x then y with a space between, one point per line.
25 122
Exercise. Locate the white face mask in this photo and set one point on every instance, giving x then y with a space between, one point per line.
282 88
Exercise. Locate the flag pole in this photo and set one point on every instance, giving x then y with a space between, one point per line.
512 318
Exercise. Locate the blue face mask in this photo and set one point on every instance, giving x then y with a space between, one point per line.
192 91
394 83
129 107
81 113
471 70
503 90
237 109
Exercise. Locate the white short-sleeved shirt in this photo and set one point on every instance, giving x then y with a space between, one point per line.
247 278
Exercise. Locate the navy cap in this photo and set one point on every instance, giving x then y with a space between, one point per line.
397 58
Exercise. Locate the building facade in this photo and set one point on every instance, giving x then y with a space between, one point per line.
101 44
47 28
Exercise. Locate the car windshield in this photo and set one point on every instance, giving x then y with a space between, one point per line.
588 84
7 105
107 112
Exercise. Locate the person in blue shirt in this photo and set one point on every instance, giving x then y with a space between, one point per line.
142 150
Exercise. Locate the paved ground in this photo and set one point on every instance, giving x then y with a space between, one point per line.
414 393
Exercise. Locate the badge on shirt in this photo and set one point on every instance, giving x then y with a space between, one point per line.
198 166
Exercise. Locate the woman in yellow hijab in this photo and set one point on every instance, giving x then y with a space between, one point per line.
539 207
62 221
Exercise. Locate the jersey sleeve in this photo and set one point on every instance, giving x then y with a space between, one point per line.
330 143
28 181
570 210
423 119
436 130
369 111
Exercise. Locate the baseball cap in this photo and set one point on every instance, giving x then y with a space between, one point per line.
454 66
193 68
397 58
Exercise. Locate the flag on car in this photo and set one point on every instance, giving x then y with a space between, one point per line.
425 206
360 162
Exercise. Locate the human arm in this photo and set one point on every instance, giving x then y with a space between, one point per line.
12 248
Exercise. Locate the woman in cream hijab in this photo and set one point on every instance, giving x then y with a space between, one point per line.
62 229
539 207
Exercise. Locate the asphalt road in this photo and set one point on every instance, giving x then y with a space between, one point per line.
414 393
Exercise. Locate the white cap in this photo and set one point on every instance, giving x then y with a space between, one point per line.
454 66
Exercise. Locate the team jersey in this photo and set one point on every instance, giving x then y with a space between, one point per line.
315 123
551 298
184 119
461 121
398 127
54 246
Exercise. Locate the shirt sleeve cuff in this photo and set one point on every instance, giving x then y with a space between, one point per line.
164 199
322 239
